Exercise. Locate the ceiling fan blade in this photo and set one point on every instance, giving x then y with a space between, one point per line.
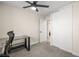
37 10
42 6
26 6
28 2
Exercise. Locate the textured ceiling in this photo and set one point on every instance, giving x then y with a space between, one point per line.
54 6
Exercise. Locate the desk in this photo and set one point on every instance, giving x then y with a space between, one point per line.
26 41
16 38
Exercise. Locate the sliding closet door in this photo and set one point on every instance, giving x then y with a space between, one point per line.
62 28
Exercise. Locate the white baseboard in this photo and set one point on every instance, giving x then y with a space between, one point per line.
76 54
63 49
73 53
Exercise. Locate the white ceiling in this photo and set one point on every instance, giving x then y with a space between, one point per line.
53 6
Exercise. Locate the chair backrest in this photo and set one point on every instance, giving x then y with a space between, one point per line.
7 46
11 36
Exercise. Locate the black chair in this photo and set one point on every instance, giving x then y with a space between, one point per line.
9 42
9 46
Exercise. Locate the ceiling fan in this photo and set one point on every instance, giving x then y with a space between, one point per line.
34 5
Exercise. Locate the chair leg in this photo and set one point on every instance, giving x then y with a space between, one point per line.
6 51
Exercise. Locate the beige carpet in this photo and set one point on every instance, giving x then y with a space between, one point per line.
40 50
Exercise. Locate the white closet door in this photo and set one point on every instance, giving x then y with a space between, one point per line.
62 28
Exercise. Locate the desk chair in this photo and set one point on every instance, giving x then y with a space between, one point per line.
9 42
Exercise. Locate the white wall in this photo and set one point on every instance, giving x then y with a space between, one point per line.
62 28
21 21
76 28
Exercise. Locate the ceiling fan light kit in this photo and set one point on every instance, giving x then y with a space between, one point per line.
34 5
33 8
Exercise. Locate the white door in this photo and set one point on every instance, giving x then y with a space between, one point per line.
49 31
43 30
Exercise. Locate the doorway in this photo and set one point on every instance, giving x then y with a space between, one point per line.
43 30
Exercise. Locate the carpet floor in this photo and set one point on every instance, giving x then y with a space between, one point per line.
40 50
